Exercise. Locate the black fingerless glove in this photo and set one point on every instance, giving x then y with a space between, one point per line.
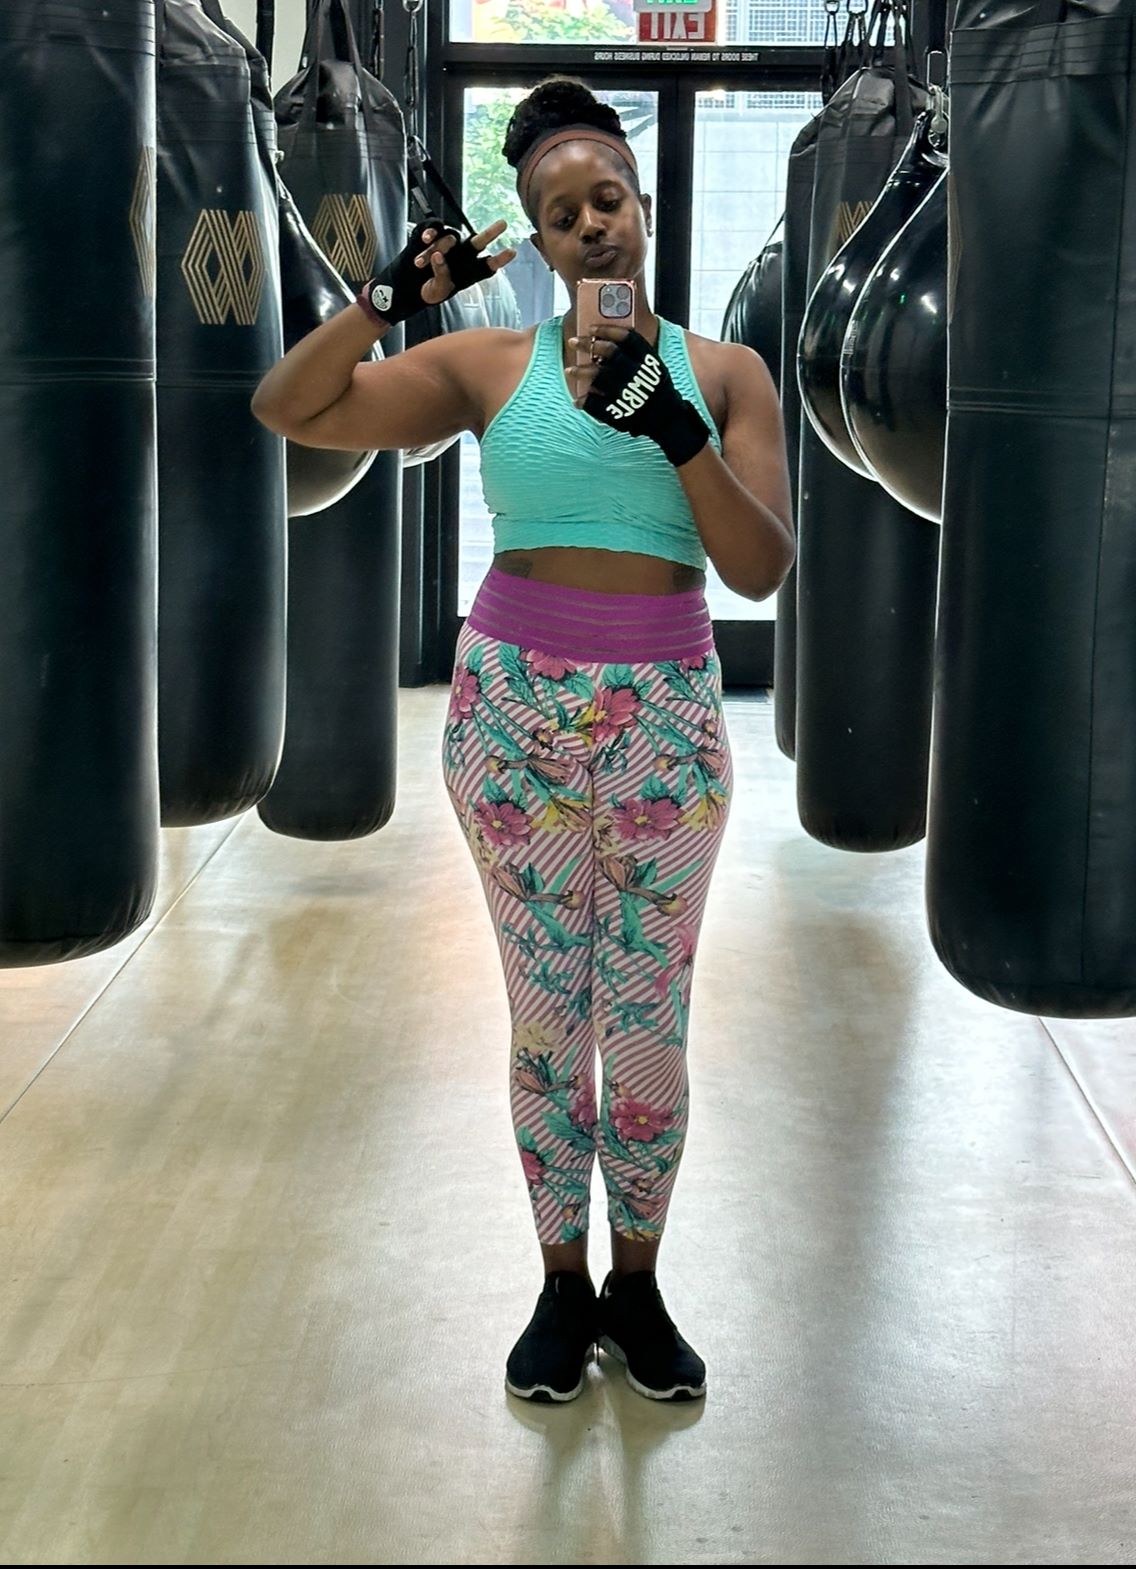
396 292
633 391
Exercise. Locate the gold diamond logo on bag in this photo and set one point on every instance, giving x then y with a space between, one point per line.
142 209
345 232
224 267
849 217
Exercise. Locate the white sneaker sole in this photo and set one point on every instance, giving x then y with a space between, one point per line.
543 1392
676 1392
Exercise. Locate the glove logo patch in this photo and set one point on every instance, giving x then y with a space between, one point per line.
638 389
382 296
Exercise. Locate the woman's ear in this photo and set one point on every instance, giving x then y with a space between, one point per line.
539 249
645 203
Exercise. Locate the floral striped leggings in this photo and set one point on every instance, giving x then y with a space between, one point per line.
593 793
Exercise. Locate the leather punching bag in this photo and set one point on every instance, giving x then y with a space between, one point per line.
866 567
893 366
78 542
795 271
345 165
833 300
1031 854
222 555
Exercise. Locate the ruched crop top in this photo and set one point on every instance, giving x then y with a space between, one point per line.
553 475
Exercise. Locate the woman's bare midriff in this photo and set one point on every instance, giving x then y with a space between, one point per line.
603 571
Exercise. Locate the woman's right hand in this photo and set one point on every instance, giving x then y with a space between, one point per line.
399 290
458 263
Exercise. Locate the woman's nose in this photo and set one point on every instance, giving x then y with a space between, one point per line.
592 224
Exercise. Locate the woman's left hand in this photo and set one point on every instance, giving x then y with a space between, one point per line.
628 387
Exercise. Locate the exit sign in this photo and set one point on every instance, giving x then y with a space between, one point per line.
673 24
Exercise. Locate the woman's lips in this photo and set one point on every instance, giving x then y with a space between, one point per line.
602 256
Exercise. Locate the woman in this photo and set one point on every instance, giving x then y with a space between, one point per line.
584 748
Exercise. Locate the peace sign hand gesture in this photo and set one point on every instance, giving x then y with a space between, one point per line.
457 263
399 291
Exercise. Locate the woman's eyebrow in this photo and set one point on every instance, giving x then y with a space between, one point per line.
560 198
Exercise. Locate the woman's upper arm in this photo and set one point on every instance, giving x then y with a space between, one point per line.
424 395
753 442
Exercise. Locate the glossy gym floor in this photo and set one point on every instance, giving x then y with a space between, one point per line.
267 1243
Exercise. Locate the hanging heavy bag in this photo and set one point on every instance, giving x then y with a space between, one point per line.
344 145
345 164
866 566
222 561
893 366
78 590
843 59
311 290
838 288
753 315
795 293
1031 854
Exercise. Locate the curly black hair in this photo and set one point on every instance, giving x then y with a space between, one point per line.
556 102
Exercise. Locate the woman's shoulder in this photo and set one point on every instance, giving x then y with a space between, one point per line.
730 364
488 363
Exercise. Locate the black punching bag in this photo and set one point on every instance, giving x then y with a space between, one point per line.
866 567
893 367
222 520
838 289
795 287
345 164
78 544
1031 856
844 59
753 314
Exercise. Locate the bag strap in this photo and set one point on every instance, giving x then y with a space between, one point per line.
266 28
422 169
313 50
902 52
853 54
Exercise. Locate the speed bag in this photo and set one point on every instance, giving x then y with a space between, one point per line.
1031 853
78 589
222 499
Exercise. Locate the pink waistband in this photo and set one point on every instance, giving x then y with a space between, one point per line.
581 623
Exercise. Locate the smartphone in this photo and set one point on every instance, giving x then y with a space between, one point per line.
598 301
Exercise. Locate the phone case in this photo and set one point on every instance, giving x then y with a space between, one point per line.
599 300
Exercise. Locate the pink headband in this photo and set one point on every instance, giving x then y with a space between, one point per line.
570 133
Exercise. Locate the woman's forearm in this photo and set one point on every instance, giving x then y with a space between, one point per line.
318 370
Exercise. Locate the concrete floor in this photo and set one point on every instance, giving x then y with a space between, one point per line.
265 1242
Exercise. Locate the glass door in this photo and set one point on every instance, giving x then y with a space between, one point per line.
741 155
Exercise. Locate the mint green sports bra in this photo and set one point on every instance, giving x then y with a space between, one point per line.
553 475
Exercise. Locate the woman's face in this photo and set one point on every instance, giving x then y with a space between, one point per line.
591 221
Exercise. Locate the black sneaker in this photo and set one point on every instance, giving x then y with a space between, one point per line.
549 1362
636 1329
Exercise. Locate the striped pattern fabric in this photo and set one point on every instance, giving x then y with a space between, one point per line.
593 796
